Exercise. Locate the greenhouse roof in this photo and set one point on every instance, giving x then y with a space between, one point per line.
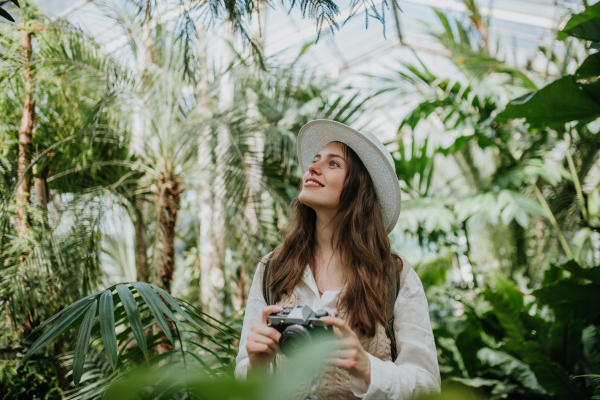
516 28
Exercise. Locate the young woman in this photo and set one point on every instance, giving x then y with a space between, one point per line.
336 256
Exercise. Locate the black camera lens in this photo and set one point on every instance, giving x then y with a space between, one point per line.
294 338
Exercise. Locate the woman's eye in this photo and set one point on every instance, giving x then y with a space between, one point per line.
334 163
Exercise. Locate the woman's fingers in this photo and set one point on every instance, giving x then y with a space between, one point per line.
266 331
340 324
345 364
262 339
255 347
342 349
269 310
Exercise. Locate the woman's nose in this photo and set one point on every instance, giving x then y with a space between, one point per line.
315 168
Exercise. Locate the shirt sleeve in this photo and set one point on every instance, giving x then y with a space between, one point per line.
254 307
415 371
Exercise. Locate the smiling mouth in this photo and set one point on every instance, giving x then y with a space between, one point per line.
312 184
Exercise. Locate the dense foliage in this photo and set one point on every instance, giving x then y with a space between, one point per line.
501 199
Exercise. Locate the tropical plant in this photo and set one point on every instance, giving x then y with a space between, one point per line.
89 166
489 261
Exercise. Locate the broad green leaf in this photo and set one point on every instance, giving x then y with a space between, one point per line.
589 68
576 19
529 173
173 303
571 300
107 327
428 213
590 337
133 313
511 366
475 382
468 343
83 342
587 30
508 307
549 374
152 299
59 327
434 272
592 274
559 102
455 357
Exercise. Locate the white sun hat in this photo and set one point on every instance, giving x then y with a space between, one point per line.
377 159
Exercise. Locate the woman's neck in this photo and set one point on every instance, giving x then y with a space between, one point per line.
327 269
324 232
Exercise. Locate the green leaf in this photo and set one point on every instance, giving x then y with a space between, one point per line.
549 374
133 313
59 327
587 30
589 68
161 304
107 327
592 274
475 382
571 300
16 3
173 303
64 310
590 337
511 366
576 19
6 15
559 102
508 307
529 173
468 343
152 299
83 342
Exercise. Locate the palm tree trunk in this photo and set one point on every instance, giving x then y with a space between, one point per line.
41 187
141 245
147 33
207 296
168 202
25 134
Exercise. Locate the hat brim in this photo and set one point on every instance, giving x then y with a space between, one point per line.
379 163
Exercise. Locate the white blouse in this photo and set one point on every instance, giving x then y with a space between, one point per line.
415 371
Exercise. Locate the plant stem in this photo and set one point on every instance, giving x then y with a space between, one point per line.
550 216
187 386
575 177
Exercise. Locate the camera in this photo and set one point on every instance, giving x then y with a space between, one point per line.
300 327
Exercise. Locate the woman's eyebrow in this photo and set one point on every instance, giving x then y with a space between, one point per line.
330 156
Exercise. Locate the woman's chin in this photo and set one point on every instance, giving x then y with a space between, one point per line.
313 201
308 199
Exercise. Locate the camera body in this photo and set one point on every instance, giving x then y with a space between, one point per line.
300 327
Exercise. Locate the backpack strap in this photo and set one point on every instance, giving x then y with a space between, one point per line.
393 291
266 283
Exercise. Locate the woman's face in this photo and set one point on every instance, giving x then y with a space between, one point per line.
322 183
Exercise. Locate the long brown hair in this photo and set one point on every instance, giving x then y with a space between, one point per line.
361 241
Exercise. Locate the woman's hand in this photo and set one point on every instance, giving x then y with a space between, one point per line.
263 342
351 356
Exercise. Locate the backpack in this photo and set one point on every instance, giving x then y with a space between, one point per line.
394 288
